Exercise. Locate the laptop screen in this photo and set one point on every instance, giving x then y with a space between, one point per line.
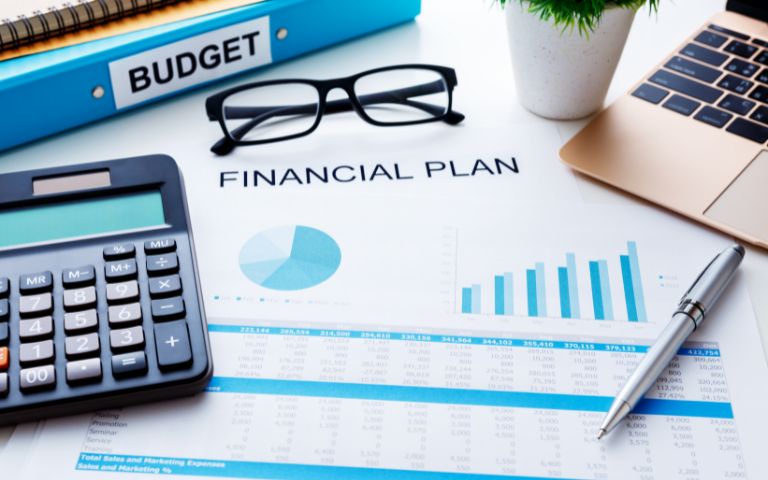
753 8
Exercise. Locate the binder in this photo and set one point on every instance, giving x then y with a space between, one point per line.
58 90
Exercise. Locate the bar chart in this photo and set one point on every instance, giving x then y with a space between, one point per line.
601 289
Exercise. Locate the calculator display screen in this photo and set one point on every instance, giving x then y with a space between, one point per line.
81 218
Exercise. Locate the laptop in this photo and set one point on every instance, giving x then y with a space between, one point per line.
692 135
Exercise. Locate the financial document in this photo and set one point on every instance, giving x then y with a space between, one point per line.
430 333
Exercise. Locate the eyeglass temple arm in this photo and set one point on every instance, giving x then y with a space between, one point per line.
258 115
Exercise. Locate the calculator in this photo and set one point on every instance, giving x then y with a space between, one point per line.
100 301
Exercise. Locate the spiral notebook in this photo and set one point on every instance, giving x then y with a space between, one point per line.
33 26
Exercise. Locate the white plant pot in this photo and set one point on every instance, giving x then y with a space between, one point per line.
561 74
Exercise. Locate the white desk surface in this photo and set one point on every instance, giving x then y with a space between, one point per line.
469 35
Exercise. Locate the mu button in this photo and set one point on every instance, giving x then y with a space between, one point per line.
172 342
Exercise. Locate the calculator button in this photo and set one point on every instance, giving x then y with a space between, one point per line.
127 364
124 315
4 310
78 277
77 322
82 345
119 251
36 282
122 292
172 342
5 287
36 329
162 264
38 352
4 334
37 378
164 286
3 384
80 299
83 371
164 245
4 359
35 305
119 271
126 338
168 309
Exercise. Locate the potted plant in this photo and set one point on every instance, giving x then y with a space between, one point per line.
564 52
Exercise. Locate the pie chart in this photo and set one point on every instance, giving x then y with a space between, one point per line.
291 257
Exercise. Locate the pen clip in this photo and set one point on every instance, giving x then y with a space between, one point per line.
684 298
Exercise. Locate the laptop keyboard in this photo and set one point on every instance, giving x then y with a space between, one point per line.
720 78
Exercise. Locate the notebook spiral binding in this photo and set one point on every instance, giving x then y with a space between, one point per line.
69 17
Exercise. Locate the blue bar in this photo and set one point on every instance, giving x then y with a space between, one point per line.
573 286
530 277
475 298
509 302
455 396
597 296
637 283
605 289
498 294
541 294
565 302
466 300
206 467
629 293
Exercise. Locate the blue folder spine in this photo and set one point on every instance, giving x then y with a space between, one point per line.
58 95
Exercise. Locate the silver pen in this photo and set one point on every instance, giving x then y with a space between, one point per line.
690 312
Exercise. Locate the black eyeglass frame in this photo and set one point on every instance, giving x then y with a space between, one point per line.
214 104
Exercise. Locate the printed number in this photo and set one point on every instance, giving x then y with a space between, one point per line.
82 344
38 375
124 314
127 337
80 296
36 327
36 301
81 320
122 289
37 350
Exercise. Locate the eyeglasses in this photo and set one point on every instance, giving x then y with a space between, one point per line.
278 110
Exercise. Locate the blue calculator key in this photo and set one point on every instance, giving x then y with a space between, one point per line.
172 342
79 277
4 310
165 245
36 282
168 309
162 264
120 251
5 287
129 364
4 335
164 286
121 270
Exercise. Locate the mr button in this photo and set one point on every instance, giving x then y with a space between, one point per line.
172 342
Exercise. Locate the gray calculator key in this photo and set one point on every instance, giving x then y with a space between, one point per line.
80 321
3 384
164 286
172 342
82 371
163 245
119 251
37 378
36 329
78 277
122 292
82 345
80 299
168 309
126 338
35 305
127 364
36 282
38 352
122 270
5 310
4 334
5 287
123 315
162 264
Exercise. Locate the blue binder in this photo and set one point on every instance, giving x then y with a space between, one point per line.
50 92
